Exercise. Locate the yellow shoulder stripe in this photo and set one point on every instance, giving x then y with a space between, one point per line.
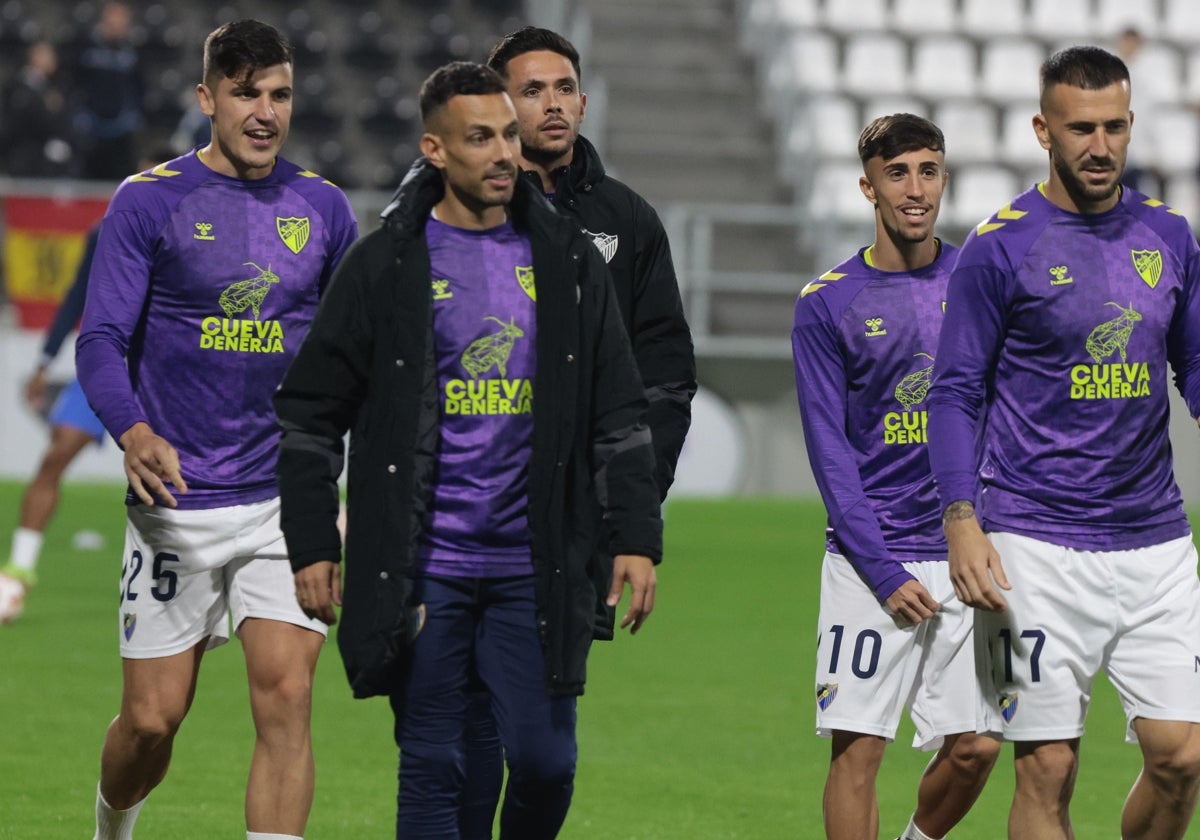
161 171
1006 213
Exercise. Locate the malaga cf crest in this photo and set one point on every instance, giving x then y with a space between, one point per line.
129 624
826 693
525 278
606 243
294 232
1008 706
1148 265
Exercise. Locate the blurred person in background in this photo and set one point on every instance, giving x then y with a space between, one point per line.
34 121
73 424
108 90
1141 170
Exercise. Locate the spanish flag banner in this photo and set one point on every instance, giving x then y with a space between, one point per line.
43 244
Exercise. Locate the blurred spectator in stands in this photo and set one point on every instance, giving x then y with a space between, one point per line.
108 84
194 129
33 120
1141 171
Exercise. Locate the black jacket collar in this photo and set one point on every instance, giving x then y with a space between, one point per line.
422 188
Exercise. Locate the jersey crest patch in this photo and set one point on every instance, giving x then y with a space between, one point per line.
1148 265
294 232
606 243
525 278
826 694
1008 706
128 624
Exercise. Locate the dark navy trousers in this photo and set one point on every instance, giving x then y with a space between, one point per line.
481 630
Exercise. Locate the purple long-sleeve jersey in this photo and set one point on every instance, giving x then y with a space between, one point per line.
485 332
1049 403
201 291
863 344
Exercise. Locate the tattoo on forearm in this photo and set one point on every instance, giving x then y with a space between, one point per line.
958 510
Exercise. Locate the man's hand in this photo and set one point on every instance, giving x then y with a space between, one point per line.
974 563
35 390
318 588
639 572
149 460
912 603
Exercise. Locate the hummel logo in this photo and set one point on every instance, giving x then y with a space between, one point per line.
875 327
441 290
1059 273
203 231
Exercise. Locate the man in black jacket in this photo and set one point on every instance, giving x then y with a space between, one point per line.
541 69
474 349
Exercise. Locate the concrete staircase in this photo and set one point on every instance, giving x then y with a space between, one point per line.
683 125
682 118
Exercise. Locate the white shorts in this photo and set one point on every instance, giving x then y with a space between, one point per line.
869 667
1133 614
187 572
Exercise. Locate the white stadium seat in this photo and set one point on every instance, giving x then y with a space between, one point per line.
1019 145
1183 196
993 18
970 129
807 62
924 17
851 16
875 65
882 106
979 191
1070 20
823 128
1176 140
1112 16
1156 74
944 67
835 194
1009 69
1181 22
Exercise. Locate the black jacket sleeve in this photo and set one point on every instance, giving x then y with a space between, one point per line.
662 346
316 404
622 454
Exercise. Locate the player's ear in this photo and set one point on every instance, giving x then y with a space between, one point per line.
204 97
868 190
1042 130
431 147
582 105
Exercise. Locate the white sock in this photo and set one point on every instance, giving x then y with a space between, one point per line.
26 546
914 833
112 824
260 835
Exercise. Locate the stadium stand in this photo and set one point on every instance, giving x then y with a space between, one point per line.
343 50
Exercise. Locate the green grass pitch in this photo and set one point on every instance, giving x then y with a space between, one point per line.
701 727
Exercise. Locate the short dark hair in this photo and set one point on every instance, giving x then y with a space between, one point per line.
235 50
1087 68
532 39
458 78
893 135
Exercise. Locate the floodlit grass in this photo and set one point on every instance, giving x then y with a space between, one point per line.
700 727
